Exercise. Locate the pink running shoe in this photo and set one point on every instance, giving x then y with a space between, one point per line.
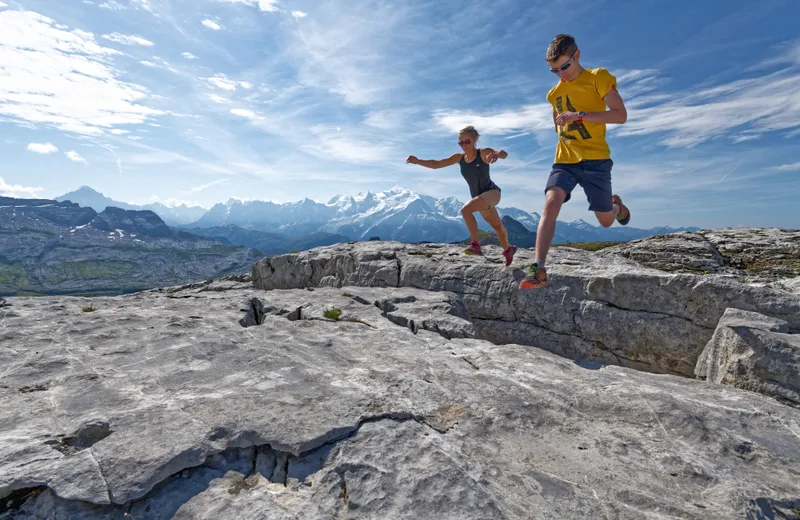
473 249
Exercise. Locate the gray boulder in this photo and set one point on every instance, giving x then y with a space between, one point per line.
754 352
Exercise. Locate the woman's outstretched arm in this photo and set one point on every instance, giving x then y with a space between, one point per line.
453 159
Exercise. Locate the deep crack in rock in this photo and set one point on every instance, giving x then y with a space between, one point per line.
84 438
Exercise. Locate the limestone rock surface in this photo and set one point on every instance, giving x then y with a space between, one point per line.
221 400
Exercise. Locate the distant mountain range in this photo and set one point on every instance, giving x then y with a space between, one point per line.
51 247
173 216
396 214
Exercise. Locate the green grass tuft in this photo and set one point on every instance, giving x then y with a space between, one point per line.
90 308
333 314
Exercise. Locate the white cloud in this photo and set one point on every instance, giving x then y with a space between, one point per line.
113 5
391 119
3 4
18 191
754 105
219 99
527 118
794 167
632 84
75 156
127 39
60 78
41 148
148 64
523 134
241 112
119 131
344 50
744 137
270 6
348 147
210 24
144 3
202 187
222 81
189 56
299 14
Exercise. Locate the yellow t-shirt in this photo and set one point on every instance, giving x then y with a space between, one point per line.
582 141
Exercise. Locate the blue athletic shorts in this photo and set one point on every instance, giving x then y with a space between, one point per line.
593 176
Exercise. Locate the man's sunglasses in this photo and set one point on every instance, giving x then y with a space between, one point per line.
564 66
466 142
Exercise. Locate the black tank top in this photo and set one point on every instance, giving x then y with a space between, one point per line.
476 173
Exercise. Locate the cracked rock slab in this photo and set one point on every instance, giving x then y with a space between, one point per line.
605 308
319 418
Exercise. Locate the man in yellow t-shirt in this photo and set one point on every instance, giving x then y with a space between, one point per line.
584 101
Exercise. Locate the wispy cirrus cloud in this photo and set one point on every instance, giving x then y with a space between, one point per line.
53 76
527 118
223 82
211 24
42 148
219 99
758 105
243 112
127 39
203 187
269 6
793 167
344 51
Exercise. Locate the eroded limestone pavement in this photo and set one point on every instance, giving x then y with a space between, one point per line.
392 381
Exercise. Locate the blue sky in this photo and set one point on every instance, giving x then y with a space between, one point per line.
204 100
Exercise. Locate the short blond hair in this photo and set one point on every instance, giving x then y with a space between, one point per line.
470 131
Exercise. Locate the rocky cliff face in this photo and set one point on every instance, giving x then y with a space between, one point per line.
357 382
58 247
600 307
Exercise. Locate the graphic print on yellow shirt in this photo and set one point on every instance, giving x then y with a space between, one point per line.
582 141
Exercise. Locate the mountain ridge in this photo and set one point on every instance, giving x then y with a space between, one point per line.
52 247
395 214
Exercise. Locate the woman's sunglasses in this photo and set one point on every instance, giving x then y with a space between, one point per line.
466 142
564 66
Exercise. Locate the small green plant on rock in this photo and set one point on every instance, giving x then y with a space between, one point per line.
90 308
347 295
333 314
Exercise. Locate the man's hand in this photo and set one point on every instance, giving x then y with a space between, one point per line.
412 160
566 117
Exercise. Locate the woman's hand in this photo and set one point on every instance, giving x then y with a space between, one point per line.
492 157
412 160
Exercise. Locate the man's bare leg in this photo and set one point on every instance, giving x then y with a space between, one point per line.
554 199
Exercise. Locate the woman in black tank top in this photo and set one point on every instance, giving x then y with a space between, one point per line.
485 194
